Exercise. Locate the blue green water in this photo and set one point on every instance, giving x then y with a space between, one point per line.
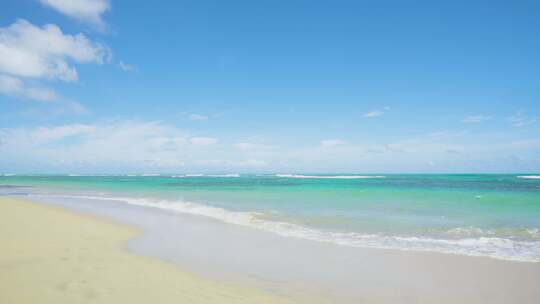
484 215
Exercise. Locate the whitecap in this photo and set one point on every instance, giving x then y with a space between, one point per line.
529 176
224 175
329 176
206 175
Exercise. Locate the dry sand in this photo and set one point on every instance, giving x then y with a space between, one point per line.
49 255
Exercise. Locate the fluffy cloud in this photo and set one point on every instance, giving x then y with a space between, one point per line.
476 118
30 51
84 10
30 54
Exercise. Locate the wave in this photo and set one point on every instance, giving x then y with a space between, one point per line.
523 232
205 175
529 176
465 241
329 176
8 174
93 175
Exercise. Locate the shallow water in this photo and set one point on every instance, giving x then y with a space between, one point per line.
480 215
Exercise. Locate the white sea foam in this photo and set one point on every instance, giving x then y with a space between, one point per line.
529 176
90 175
206 175
8 174
470 241
329 176
533 232
470 231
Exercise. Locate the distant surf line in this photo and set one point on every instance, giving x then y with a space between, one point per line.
529 176
329 176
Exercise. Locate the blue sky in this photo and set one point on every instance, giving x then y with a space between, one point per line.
269 86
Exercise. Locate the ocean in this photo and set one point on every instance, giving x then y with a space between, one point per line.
491 215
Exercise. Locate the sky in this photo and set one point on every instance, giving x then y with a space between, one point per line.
118 86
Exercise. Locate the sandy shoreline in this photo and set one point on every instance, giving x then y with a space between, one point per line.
82 255
50 255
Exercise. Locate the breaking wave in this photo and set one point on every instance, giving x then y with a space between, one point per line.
329 176
205 175
466 241
529 176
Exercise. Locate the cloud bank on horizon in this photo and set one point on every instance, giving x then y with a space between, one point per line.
117 146
208 89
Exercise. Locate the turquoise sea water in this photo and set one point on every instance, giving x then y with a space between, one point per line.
482 215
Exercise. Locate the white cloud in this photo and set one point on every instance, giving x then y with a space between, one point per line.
49 134
372 114
203 141
198 117
328 143
120 146
476 118
15 87
113 145
30 51
105 144
84 10
126 67
520 119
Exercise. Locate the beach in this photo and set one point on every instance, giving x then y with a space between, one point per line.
65 256
50 255
223 240
267 152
